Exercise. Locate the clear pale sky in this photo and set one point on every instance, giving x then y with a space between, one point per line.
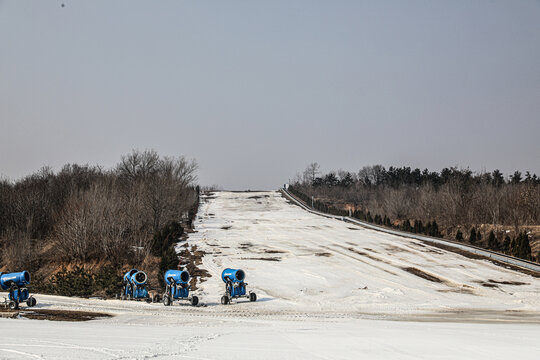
256 90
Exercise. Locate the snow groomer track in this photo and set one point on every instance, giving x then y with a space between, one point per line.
326 289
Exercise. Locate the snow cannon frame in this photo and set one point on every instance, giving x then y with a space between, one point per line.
134 287
178 288
18 292
235 287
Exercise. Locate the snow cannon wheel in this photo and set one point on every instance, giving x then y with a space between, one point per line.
13 305
148 300
224 300
156 298
252 297
166 300
31 302
194 300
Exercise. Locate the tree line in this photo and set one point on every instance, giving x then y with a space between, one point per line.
486 209
85 213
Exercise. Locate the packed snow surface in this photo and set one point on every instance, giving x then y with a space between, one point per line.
326 290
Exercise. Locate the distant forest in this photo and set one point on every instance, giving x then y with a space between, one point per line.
87 215
485 209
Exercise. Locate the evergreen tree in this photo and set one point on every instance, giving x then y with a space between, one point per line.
368 217
513 247
459 235
406 226
432 229
507 244
472 236
523 247
418 227
493 244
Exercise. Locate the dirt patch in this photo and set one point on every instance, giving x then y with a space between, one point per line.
190 259
422 274
259 196
274 251
489 285
395 249
366 255
264 259
373 251
458 291
351 228
226 227
325 254
56 315
508 282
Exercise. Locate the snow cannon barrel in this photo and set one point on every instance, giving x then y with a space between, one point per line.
233 275
136 277
139 278
176 277
127 276
19 278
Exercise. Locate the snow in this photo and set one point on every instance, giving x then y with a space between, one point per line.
336 291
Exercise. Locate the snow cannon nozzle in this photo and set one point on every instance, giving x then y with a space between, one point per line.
176 276
233 275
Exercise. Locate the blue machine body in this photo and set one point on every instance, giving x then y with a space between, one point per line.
19 295
234 278
135 284
177 281
19 278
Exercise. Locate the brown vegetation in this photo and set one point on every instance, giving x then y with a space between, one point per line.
90 217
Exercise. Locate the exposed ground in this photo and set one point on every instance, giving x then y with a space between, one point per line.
326 289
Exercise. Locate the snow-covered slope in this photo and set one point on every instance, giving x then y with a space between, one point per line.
327 290
301 262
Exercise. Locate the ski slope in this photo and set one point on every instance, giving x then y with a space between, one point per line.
300 262
326 289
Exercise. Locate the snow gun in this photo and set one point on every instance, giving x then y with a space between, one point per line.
135 286
18 292
235 287
177 287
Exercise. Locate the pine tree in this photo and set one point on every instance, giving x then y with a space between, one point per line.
472 236
507 244
406 226
418 227
523 246
368 217
436 231
493 244
459 235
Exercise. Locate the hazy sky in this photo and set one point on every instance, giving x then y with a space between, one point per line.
256 90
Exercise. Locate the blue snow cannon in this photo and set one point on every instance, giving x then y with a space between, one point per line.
178 288
235 287
18 292
135 286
